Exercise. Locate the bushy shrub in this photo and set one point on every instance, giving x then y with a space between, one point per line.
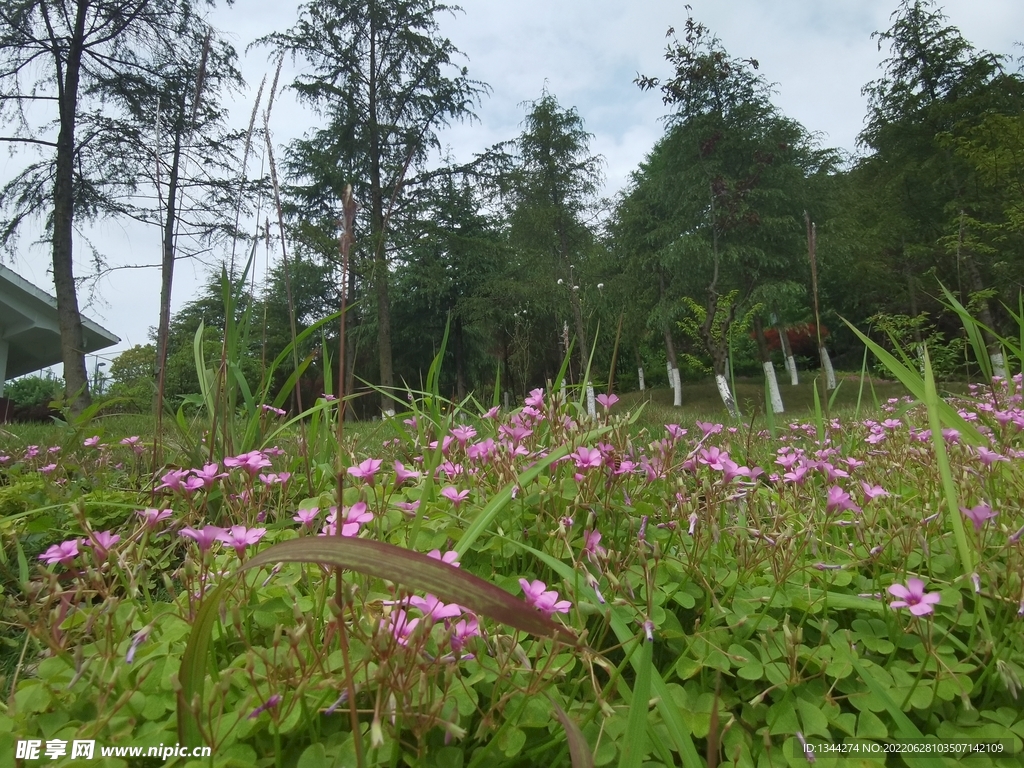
32 391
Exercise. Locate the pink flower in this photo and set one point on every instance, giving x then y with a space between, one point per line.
252 462
355 516
463 631
592 545
271 409
451 557
101 542
713 457
204 537
192 484
173 480
91 442
587 458
400 626
451 470
463 434
607 401
914 597
47 469
516 433
409 507
366 470
798 475
708 428
536 398
988 458
731 470
402 474
152 517
979 514
275 479
840 501
544 600
306 516
434 609
456 497
787 460
209 474
135 443
482 451
63 553
872 492
675 431
239 537
491 413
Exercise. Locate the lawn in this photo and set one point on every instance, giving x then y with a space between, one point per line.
531 587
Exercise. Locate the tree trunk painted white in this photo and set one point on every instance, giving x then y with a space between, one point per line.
998 365
794 375
826 363
773 388
591 406
726 394
677 389
640 373
506 399
920 358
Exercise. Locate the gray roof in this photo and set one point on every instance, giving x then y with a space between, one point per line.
28 323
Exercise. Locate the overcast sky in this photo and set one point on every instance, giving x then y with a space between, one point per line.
818 53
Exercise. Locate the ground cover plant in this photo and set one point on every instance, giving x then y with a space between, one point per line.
524 587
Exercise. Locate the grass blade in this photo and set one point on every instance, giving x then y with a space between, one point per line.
416 571
635 740
579 750
915 385
931 399
192 672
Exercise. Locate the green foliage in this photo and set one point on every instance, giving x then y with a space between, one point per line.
133 377
34 391
947 355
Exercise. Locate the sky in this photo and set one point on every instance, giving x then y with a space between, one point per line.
819 54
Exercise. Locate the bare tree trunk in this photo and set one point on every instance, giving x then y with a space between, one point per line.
69 318
168 254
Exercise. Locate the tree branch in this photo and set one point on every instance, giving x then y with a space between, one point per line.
29 141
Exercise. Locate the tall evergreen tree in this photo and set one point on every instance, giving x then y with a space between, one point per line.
385 82
551 191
